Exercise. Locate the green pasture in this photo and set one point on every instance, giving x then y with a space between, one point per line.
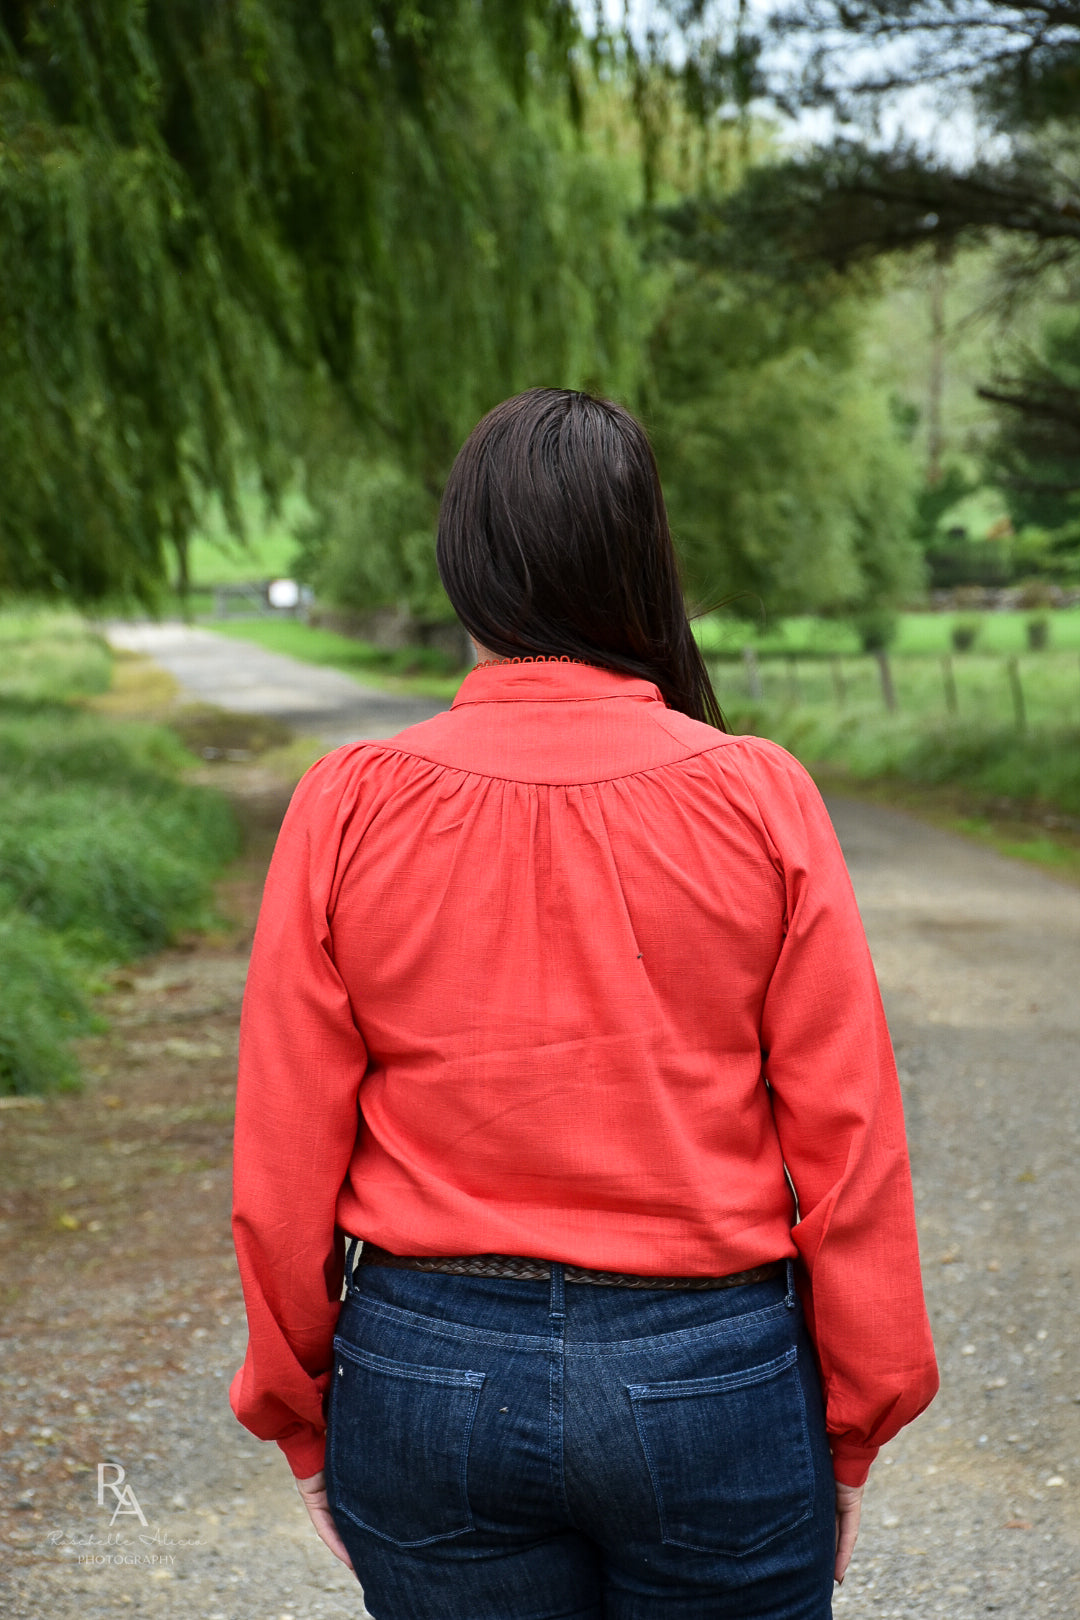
966 689
217 557
105 850
918 633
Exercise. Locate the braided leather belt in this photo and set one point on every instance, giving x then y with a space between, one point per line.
510 1265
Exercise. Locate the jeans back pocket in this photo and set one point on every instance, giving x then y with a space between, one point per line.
729 1457
398 1446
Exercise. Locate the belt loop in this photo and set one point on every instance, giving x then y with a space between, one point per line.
351 1246
558 1297
792 1297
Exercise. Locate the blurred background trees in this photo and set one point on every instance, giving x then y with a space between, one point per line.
789 482
1009 195
230 229
278 257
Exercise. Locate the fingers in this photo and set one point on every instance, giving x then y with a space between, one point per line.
328 1532
848 1514
315 1500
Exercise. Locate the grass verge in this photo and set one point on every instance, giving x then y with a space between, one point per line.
1019 792
1022 832
1037 770
106 851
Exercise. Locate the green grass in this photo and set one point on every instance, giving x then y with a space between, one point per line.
115 870
722 636
215 557
43 1003
848 688
105 851
1040 851
994 763
44 654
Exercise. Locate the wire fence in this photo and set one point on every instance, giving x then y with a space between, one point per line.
1039 691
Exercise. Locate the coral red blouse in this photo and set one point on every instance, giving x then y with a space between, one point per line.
520 977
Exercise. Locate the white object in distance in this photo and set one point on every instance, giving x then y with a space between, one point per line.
283 593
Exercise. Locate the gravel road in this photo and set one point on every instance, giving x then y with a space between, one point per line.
121 1334
238 675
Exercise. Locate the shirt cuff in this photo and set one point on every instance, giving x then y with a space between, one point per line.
305 1452
851 1463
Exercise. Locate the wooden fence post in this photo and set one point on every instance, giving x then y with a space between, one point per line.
1019 707
952 702
753 674
888 690
839 683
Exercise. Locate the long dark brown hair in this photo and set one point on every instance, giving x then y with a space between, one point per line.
554 541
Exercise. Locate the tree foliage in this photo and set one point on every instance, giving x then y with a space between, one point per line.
202 207
847 204
530 275
267 235
1016 64
1038 447
789 485
1035 454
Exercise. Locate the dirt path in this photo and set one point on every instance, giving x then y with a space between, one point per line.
975 1508
247 679
123 1321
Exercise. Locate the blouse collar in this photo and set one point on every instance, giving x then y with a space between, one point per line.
550 681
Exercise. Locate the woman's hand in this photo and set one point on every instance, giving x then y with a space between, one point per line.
313 1491
848 1513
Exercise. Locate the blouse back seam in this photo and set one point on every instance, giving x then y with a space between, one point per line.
725 740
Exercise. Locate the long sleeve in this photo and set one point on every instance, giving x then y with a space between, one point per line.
839 1116
301 1062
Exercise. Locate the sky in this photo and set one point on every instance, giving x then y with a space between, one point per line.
921 116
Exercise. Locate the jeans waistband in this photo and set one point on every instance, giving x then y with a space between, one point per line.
528 1269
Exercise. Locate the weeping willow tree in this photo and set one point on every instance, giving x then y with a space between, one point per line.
789 482
258 235
523 270
226 226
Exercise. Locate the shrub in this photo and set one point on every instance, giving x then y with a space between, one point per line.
876 628
117 873
964 634
42 1004
104 850
1036 593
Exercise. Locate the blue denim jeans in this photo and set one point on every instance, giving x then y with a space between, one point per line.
509 1450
